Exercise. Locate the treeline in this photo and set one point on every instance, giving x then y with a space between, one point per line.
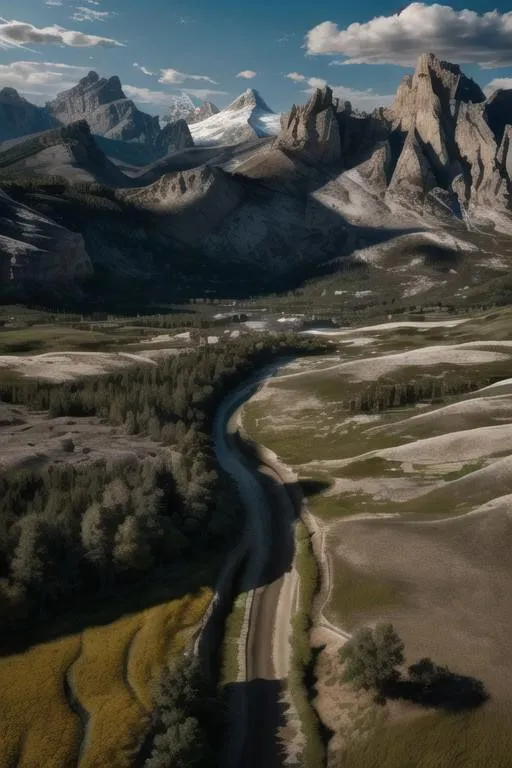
380 396
189 720
75 528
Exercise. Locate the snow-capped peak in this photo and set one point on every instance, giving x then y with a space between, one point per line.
247 117
181 105
248 99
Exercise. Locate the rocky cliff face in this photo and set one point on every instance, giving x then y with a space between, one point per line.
36 250
110 114
18 117
103 104
440 141
455 134
206 110
185 107
69 151
195 201
312 130
174 135
436 78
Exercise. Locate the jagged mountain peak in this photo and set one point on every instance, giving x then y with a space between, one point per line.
11 95
184 106
107 89
250 98
18 117
433 88
321 99
447 81
90 78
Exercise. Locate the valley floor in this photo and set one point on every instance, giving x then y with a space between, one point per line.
412 504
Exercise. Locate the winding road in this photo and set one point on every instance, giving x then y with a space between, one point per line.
271 583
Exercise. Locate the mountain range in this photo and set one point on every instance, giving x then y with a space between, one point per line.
418 193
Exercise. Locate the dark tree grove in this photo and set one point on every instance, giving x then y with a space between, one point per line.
189 722
68 530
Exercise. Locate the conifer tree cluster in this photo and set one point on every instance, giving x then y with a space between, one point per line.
72 529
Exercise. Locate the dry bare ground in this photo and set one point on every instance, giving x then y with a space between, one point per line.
30 439
444 583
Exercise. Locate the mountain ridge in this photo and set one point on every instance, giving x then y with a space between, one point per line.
419 192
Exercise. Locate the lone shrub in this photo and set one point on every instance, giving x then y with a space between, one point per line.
371 657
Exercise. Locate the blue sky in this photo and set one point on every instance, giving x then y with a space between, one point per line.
217 49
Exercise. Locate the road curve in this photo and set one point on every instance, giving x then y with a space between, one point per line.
269 578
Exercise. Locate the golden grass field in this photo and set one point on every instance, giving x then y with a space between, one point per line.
109 669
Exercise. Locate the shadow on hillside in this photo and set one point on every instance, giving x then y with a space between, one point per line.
449 691
321 239
174 581
97 609
310 487
265 717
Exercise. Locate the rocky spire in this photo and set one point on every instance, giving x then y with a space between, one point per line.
413 177
312 130
444 115
433 80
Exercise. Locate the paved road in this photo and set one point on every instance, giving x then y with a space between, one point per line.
255 702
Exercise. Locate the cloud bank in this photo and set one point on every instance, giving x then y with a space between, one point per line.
17 34
461 36
40 79
498 83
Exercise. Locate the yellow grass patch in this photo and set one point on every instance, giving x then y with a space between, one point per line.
111 668
163 634
98 678
37 727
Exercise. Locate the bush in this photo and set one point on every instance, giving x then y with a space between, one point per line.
371 657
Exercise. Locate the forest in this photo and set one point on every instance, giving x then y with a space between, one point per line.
67 531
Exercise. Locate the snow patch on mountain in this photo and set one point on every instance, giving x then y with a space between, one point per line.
246 118
181 105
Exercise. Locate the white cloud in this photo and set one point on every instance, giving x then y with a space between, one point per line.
92 2
144 70
313 82
463 36
53 2
159 98
40 79
146 95
247 74
296 77
82 13
498 83
17 34
316 82
173 77
361 99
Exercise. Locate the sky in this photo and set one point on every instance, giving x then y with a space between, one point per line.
215 49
